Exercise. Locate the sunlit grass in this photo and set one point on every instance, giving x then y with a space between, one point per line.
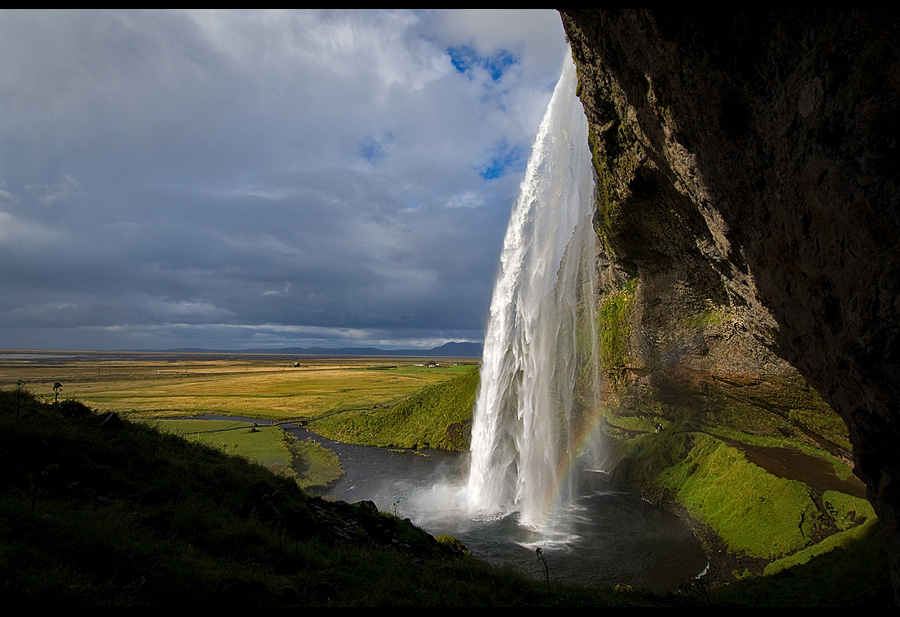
307 462
436 417
767 516
264 444
268 387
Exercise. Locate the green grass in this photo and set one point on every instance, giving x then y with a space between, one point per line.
768 517
755 513
847 511
855 517
851 572
841 469
438 416
811 545
314 465
634 423
308 462
264 444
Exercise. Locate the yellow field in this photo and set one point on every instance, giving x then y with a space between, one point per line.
262 386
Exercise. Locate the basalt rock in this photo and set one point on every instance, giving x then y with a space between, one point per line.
748 168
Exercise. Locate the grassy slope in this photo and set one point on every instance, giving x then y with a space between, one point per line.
768 517
438 416
853 572
307 462
701 476
783 523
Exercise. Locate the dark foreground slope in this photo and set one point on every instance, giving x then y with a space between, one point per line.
100 511
747 195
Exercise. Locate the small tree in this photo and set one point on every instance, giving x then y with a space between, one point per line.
56 389
20 389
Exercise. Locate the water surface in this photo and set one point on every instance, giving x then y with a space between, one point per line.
608 537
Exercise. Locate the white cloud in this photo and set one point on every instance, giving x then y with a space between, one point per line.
24 233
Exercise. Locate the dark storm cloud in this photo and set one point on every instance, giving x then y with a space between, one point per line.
262 178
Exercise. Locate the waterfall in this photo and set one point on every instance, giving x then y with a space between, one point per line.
539 370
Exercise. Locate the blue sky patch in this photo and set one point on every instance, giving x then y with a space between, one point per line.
505 157
373 149
464 58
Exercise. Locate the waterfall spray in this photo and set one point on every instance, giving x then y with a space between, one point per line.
539 371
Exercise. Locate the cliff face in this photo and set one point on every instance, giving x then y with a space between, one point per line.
748 172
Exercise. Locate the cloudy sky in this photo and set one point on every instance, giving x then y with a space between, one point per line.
259 179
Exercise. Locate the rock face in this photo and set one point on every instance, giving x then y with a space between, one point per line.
748 171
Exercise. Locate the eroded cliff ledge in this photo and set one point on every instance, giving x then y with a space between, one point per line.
748 172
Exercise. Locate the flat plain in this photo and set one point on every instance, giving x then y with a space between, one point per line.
276 387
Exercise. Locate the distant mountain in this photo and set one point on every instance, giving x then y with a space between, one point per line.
447 350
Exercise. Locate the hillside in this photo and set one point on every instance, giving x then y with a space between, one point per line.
100 511
439 416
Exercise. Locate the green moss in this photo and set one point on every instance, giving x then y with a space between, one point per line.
823 421
645 457
606 204
847 511
614 326
706 319
634 423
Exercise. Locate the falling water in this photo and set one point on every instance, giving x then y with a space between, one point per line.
538 375
530 482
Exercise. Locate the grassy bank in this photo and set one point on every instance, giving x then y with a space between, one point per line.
215 534
764 522
307 462
438 416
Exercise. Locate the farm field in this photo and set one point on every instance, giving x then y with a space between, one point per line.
145 384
